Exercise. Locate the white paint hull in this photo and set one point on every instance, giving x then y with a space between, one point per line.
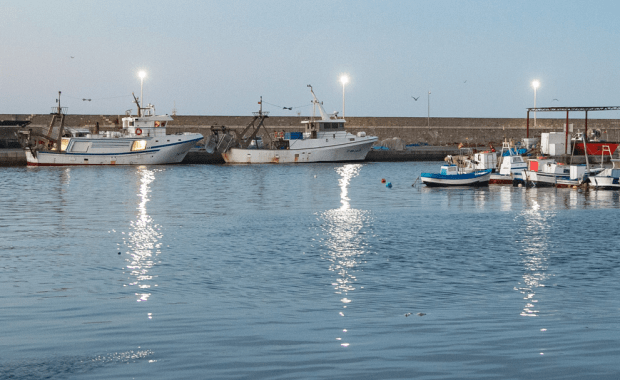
541 179
352 151
604 182
154 154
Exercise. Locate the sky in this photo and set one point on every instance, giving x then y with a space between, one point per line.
476 58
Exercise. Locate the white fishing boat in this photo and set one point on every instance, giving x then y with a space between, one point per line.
322 140
142 140
543 172
510 168
608 178
453 175
547 172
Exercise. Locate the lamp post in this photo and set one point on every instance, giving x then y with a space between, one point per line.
141 74
344 79
429 109
535 84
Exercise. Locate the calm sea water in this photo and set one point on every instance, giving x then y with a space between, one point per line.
302 271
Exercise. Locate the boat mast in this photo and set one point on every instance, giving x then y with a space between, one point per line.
137 104
316 102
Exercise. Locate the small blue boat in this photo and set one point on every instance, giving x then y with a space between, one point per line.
452 175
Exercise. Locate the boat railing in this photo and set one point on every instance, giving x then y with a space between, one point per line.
60 110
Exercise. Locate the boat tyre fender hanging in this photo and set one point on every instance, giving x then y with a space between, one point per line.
138 131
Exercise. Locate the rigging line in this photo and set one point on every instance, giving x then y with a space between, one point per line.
81 98
288 108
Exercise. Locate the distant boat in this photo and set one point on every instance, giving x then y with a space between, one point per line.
510 168
452 175
142 140
322 140
607 179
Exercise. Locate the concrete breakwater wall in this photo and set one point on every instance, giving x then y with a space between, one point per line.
436 131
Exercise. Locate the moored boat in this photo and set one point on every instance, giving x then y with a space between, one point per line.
142 140
510 168
452 175
322 140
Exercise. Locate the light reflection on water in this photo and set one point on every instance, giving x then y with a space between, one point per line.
535 253
344 243
143 239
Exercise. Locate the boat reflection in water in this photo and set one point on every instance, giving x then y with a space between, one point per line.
143 239
534 254
344 245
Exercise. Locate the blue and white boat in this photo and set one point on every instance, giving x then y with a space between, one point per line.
607 178
452 175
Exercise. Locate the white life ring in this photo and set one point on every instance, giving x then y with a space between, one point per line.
138 131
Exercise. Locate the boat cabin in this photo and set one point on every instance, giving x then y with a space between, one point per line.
148 124
547 166
327 126
448 170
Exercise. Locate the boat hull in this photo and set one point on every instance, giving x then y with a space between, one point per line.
470 179
596 148
604 182
155 155
356 151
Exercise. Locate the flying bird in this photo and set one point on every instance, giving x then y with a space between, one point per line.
555 100
465 81
416 99
72 57
84 100
288 108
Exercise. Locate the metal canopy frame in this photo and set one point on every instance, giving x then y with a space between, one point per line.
567 109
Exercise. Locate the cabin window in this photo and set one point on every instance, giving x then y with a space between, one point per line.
63 144
138 145
80 146
131 123
341 125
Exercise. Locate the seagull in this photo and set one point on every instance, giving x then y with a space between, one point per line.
555 100
72 57
408 314
416 99
465 81
288 108
84 100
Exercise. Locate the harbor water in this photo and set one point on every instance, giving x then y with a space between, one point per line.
302 271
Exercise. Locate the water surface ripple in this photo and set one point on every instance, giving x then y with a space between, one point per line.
302 271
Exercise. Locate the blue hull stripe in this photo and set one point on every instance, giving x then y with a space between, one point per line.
457 176
150 150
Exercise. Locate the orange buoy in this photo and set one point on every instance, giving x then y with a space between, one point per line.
382 180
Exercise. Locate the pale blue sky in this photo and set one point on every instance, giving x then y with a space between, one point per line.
478 58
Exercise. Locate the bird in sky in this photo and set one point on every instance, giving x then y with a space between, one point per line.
555 100
465 81
288 108
72 57
86 100
416 99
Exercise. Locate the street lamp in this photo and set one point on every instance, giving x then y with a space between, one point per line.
428 115
344 79
535 84
141 74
